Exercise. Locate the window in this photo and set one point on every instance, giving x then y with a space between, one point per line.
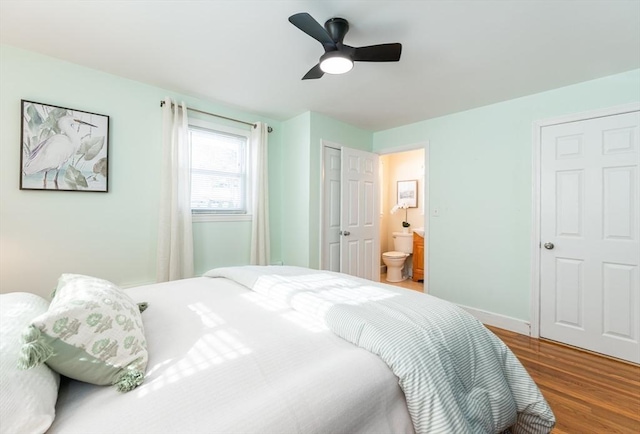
219 176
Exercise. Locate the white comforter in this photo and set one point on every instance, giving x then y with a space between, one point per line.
457 376
224 359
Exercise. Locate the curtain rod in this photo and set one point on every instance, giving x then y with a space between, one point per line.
269 129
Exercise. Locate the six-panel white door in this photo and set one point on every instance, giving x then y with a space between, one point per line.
359 214
589 279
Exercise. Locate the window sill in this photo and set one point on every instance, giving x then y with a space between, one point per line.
204 217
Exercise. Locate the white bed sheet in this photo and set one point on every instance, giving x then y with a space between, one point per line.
222 359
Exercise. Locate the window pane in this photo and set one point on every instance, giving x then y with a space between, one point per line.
218 192
218 171
214 151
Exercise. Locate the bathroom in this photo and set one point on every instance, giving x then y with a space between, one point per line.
402 179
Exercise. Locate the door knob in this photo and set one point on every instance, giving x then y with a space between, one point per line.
346 233
548 246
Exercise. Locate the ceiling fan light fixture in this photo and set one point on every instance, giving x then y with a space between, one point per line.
335 62
338 57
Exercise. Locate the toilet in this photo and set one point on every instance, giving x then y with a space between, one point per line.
403 245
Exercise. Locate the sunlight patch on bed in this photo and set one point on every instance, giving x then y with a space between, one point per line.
213 348
275 305
208 318
157 366
315 294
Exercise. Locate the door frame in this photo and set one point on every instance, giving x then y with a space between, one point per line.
427 181
536 242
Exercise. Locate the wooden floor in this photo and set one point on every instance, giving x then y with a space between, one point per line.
588 393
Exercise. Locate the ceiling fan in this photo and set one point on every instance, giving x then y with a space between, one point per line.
338 58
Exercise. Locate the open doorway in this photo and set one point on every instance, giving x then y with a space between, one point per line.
403 217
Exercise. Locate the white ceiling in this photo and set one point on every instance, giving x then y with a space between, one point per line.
245 54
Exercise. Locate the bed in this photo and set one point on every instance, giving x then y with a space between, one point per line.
292 350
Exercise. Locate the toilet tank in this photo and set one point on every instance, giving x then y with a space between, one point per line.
402 242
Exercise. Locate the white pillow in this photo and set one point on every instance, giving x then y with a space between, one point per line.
27 398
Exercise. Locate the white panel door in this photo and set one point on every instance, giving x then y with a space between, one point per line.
589 278
360 247
331 209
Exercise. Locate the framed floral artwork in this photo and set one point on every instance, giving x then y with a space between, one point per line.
63 149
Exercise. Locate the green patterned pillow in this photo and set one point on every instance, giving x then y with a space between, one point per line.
92 332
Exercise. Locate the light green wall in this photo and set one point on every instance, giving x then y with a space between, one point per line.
480 181
112 235
294 217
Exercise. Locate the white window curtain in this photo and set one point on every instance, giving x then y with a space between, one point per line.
175 237
260 244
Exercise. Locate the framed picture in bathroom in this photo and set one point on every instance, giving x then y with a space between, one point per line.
408 193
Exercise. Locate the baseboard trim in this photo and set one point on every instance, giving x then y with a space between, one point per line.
501 321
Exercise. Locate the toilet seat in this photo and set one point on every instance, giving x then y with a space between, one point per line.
395 255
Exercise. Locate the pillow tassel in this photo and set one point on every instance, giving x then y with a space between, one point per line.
35 351
129 380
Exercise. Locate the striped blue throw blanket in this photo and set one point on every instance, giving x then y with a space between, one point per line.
456 375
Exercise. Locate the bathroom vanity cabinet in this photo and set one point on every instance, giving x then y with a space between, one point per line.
418 257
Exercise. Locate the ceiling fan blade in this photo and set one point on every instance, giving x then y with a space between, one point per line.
313 73
311 27
378 53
